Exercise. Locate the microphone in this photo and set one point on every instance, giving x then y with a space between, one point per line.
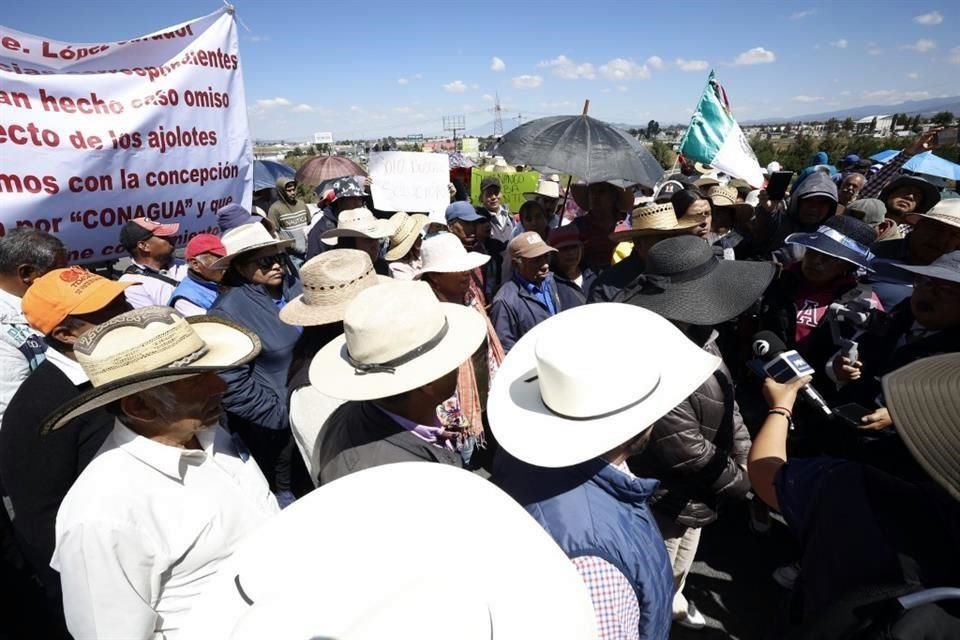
786 366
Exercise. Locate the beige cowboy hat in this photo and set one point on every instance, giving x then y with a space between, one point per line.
556 401
330 281
397 337
444 253
545 189
407 228
924 401
945 211
150 347
652 220
524 588
247 237
357 223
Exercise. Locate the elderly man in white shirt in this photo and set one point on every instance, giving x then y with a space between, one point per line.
170 493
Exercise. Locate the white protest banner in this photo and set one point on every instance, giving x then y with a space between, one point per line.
409 181
92 135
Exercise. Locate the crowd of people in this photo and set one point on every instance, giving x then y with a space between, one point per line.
601 369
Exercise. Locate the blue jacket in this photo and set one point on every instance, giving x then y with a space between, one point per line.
593 509
202 293
515 310
257 392
572 295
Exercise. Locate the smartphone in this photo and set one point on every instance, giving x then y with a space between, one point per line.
852 413
947 137
778 183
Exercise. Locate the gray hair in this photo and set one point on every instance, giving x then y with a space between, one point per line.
29 246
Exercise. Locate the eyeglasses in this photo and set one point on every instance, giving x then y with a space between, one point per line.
266 262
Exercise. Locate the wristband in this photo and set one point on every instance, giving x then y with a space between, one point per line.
779 412
789 412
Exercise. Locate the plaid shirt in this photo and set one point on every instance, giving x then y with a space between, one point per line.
884 176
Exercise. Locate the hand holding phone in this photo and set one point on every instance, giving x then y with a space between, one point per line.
777 185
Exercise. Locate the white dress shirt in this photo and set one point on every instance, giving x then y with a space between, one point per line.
144 528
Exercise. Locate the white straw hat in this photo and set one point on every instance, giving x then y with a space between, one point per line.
546 189
357 223
397 337
364 577
330 281
444 253
150 347
247 237
564 396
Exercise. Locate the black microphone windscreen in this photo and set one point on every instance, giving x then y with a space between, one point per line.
767 345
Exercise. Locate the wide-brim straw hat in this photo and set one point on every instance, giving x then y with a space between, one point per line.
526 587
407 228
330 281
685 281
924 401
247 238
150 347
557 402
357 223
726 197
545 189
945 211
930 194
397 337
653 220
444 253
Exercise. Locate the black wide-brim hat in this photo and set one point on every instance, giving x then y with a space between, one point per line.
931 194
686 282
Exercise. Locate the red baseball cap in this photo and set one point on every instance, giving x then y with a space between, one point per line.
141 228
205 243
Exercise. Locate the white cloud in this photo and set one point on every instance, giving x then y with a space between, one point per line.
563 104
894 95
487 97
270 103
474 87
564 67
409 79
402 81
800 15
692 65
403 109
303 108
655 62
955 55
496 64
457 86
875 51
527 82
807 98
921 46
913 75
620 69
622 89
355 109
757 55
929 19
839 44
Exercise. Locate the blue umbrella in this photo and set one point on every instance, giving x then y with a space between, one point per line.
266 173
926 163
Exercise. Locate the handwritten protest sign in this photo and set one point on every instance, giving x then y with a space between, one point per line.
409 181
92 135
512 186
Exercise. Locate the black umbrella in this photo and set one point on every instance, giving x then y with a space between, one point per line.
581 146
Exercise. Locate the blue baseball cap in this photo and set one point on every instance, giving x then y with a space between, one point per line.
462 210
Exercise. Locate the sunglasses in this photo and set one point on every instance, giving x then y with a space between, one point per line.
267 262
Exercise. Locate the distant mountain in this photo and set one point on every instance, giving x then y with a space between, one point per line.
911 107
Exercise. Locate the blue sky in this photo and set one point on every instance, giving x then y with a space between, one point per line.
396 67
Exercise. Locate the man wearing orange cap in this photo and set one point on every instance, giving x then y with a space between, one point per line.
150 245
196 293
37 471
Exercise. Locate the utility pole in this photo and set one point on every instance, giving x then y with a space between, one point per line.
497 118
454 124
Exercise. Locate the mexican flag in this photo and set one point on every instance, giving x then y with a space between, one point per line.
714 137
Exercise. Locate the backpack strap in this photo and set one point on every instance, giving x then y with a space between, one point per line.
140 271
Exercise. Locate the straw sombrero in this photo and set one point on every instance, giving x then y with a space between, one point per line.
247 237
407 229
525 587
150 347
651 220
924 401
357 223
396 337
330 281
726 196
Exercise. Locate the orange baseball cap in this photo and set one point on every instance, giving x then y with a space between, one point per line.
67 292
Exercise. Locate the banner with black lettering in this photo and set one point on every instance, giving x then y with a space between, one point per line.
92 135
